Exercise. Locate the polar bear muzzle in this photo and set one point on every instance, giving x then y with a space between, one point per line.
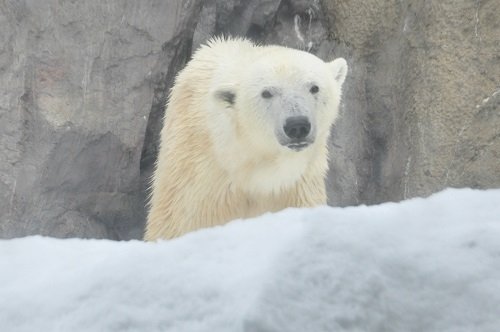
297 127
297 130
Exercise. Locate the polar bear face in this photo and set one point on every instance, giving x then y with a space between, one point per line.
286 99
298 95
277 109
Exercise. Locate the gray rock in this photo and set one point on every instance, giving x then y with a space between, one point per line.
79 85
84 86
417 119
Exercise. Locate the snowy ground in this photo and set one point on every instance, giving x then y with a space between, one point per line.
421 265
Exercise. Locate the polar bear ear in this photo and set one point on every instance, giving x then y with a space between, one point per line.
339 69
226 95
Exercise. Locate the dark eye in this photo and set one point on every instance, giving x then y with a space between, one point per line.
314 89
266 94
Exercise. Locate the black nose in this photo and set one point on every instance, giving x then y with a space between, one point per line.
297 127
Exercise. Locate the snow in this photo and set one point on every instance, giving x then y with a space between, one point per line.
421 265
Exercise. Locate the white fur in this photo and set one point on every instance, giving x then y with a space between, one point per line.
221 160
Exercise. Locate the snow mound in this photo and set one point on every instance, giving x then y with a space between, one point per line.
421 265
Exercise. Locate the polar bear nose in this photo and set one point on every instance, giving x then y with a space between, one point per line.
297 127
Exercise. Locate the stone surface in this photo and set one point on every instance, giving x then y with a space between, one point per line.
423 99
78 87
84 86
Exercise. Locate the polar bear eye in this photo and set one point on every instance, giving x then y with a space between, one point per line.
314 89
266 94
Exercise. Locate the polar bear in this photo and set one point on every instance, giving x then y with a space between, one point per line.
245 132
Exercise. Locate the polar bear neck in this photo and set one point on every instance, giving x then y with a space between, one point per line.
267 174
198 192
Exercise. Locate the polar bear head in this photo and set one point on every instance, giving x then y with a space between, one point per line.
275 104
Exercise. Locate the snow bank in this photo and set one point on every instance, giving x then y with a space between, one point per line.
422 265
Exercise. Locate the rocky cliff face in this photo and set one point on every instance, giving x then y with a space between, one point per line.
425 87
84 85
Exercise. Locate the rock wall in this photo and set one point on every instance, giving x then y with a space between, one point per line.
84 85
77 92
422 111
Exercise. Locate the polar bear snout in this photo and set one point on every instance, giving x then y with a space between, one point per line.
297 133
297 127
